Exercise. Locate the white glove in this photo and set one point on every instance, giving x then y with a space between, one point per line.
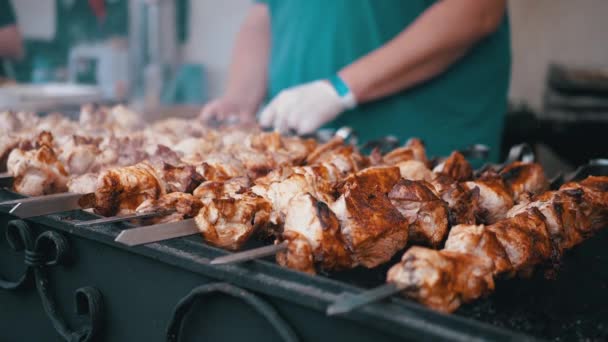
305 108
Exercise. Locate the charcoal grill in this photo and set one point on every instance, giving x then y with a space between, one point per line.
69 283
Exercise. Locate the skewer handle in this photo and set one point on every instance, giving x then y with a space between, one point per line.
114 219
347 302
251 254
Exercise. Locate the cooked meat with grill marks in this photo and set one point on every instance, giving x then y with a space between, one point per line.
463 203
229 222
426 212
122 190
481 242
523 178
83 184
415 170
310 222
293 149
534 233
413 150
372 228
299 255
525 239
222 189
573 213
7 144
37 172
455 166
182 178
185 205
283 184
79 153
346 158
221 166
442 280
495 198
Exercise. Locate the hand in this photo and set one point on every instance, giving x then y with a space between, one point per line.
303 108
225 109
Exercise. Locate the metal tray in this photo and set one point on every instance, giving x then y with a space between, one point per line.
168 291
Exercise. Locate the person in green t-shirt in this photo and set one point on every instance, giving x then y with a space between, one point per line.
438 70
11 45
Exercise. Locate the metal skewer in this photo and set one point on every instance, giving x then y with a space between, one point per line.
349 302
251 254
50 204
157 232
113 219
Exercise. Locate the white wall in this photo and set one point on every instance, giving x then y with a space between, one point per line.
213 28
542 31
554 30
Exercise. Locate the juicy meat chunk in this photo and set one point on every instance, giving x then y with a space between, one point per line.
481 242
229 222
182 178
79 153
495 198
523 178
230 188
185 206
221 166
442 280
38 171
525 239
455 166
284 184
426 213
463 203
309 221
372 228
344 157
83 184
414 170
122 190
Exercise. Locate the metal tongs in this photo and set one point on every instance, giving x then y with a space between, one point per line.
595 167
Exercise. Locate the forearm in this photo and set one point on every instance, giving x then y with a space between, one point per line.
439 37
11 44
248 69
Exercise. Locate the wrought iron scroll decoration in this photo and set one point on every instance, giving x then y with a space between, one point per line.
47 250
270 314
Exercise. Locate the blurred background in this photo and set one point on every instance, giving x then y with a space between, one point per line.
170 56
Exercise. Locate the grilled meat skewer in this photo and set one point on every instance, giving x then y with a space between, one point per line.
534 233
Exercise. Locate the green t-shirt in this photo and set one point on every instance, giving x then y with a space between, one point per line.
314 39
7 18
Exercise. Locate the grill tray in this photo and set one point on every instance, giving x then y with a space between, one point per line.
571 307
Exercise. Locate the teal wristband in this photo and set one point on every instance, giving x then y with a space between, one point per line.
343 91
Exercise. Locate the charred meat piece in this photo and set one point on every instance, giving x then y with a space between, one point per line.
425 211
182 178
344 157
38 171
415 170
456 167
523 178
372 228
122 190
284 184
412 151
314 236
229 222
533 233
185 206
481 242
222 189
442 280
463 203
495 198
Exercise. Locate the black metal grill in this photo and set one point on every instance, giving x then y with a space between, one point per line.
125 293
